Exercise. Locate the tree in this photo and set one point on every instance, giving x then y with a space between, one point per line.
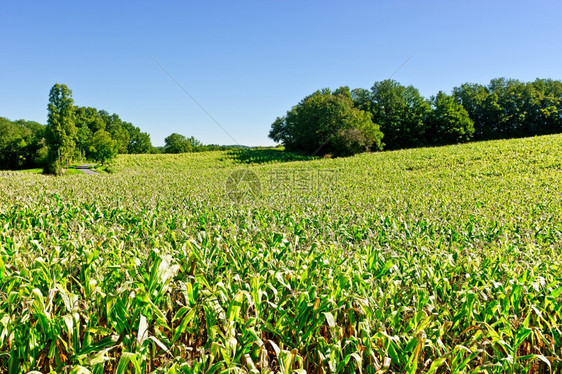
83 132
139 142
504 109
362 99
327 122
508 108
177 143
493 111
196 145
544 103
399 110
448 122
114 125
350 141
21 144
88 122
103 147
60 134
473 98
129 138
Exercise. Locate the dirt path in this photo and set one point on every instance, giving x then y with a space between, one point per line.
86 169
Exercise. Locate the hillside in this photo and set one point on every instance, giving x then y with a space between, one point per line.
440 259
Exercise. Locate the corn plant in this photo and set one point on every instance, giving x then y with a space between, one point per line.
435 260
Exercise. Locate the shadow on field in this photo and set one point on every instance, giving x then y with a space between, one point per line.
266 155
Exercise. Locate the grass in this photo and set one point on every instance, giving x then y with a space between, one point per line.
72 171
441 260
32 171
102 168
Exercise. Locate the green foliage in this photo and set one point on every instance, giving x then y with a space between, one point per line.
129 139
103 148
60 134
70 134
177 143
429 260
508 108
401 113
215 147
21 144
72 171
448 122
119 133
327 122
505 108
88 122
472 97
263 155
139 142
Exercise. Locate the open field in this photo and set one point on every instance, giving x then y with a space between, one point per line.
444 260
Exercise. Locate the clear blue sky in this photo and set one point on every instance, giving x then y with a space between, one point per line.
248 62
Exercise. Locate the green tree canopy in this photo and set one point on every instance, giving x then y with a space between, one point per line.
69 134
103 148
399 110
60 134
139 142
508 108
21 144
473 98
114 125
448 122
177 143
543 99
129 138
327 122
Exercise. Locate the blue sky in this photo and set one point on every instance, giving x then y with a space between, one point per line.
248 62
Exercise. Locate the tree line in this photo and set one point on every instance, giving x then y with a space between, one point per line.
22 144
74 132
79 133
392 116
177 143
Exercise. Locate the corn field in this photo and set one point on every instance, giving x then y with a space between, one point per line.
430 260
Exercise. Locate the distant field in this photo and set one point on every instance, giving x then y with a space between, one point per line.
433 260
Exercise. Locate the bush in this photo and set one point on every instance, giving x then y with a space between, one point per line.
327 122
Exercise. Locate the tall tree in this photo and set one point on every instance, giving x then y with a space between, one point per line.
399 110
545 106
60 134
103 148
21 144
448 122
139 142
83 133
327 122
114 125
508 108
504 108
473 98
177 143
